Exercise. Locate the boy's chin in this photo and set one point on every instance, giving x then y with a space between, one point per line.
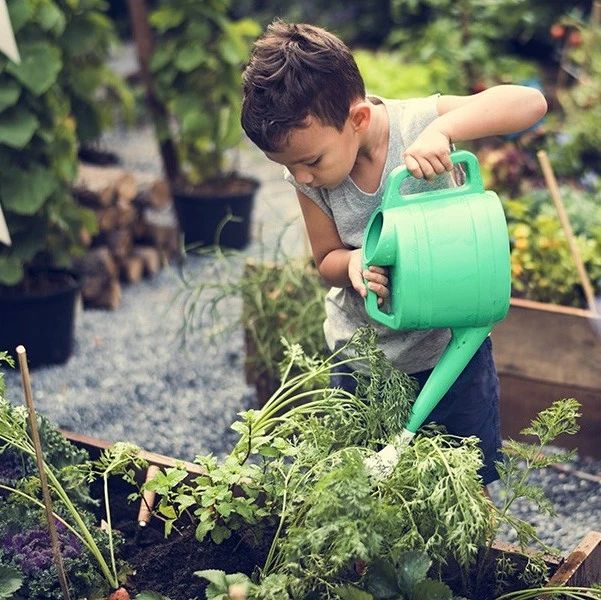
330 186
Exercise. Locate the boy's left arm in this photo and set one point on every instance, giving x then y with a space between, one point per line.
495 111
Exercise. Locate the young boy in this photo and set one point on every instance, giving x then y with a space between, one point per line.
305 106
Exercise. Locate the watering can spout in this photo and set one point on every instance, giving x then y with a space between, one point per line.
464 343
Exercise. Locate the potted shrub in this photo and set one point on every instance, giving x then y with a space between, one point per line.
196 68
38 157
96 93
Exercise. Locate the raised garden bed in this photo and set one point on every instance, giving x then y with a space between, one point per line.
296 498
168 564
547 351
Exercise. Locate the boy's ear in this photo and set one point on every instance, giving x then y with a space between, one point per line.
360 116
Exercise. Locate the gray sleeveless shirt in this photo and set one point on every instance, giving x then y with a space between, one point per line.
350 207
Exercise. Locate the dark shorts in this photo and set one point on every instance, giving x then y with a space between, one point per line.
470 407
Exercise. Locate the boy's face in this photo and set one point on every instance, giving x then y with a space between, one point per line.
319 155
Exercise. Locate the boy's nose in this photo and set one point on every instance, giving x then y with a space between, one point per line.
303 176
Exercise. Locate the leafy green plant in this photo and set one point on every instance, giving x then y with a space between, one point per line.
406 579
282 296
560 418
220 583
231 495
468 35
521 459
387 74
197 66
37 149
297 476
119 459
543 268
94 90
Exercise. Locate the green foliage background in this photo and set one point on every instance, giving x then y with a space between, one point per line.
197 66
37 147
61 93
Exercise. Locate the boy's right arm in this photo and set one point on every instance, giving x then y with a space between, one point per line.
338 265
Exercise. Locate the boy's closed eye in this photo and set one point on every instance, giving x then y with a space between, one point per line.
315 162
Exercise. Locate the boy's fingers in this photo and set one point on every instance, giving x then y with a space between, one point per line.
360 289
413 166
376 277
357 283
380 289
437 165
427 169
447 162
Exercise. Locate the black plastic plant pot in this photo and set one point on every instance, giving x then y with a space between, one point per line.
216 218
41 319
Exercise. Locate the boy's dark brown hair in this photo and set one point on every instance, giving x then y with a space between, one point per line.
297 70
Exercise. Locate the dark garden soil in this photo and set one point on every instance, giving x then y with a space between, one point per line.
39 284
167 565
233 185
97 156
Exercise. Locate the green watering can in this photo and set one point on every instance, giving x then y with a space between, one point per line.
447 252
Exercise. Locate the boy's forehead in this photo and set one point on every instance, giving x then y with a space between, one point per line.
303 143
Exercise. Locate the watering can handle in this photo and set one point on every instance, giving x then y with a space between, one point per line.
385 318
473 183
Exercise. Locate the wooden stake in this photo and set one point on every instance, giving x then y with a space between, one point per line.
148 497
39 457
596 13
143 38
567 227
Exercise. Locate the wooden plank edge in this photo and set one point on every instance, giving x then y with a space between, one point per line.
152 457
582 566
501 547
554 308
522 377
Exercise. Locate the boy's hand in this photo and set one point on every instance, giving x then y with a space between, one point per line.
429 155
377 279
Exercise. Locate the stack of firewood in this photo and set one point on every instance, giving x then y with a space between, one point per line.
137 233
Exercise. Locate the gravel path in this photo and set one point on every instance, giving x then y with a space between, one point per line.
130 379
